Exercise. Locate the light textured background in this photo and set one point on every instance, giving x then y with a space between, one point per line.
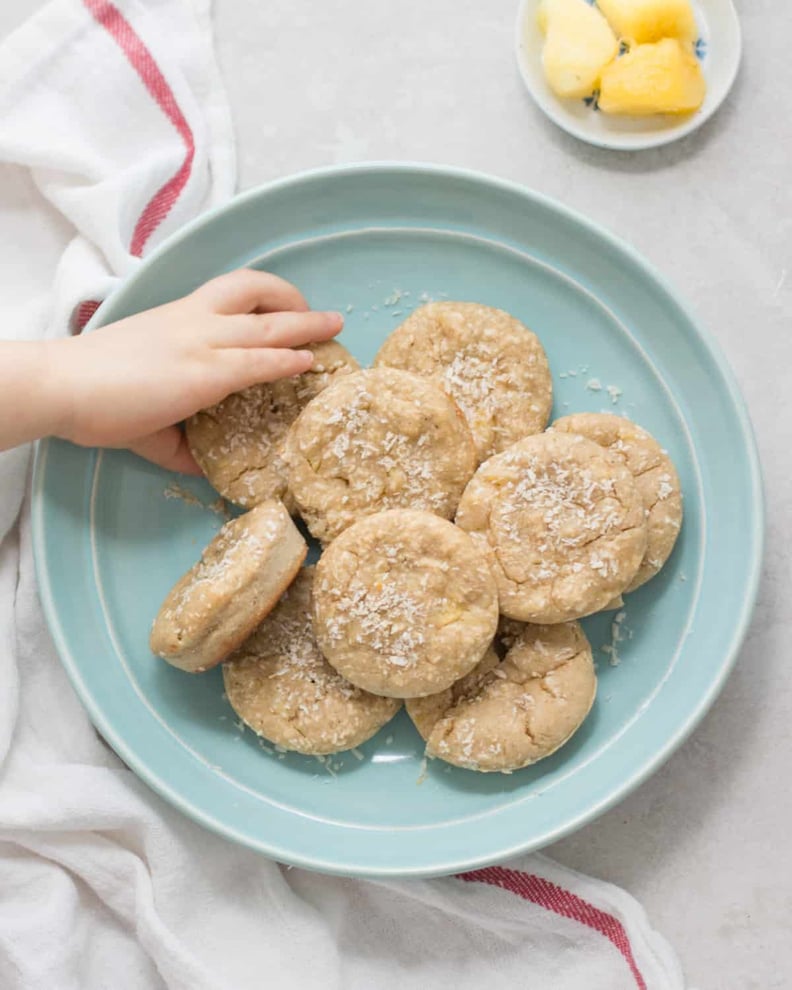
704 844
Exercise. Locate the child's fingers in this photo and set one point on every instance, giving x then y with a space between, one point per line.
169 449
249 366
249 291
279 329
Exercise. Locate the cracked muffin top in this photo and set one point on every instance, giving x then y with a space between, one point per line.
281 686
376 440
493 367
238 442
655 476
404 604
507 714
563 523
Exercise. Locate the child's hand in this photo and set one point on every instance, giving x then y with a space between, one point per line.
129 383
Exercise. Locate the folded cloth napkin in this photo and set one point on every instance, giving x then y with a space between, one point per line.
113 131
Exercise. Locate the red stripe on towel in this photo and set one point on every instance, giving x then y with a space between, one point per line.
82 314
142 61
553 898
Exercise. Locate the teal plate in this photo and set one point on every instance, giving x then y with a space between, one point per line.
375 241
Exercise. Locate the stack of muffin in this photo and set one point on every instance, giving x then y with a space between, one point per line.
461 540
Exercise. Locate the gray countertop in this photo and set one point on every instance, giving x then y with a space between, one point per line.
703 843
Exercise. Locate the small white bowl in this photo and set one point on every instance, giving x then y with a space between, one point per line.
719 48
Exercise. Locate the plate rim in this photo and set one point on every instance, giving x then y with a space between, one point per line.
650 765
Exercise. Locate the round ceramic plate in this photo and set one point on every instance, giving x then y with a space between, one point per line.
376 241
718 49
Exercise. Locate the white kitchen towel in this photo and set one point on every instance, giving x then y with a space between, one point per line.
113 131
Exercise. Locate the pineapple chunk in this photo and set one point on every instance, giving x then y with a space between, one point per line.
644 21
578 45
660 78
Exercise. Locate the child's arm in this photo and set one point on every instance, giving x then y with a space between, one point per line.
129 383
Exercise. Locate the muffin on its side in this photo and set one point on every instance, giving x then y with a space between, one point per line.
238 580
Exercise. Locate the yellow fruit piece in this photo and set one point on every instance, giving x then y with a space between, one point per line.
578 45
660 78
447 616
644 21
